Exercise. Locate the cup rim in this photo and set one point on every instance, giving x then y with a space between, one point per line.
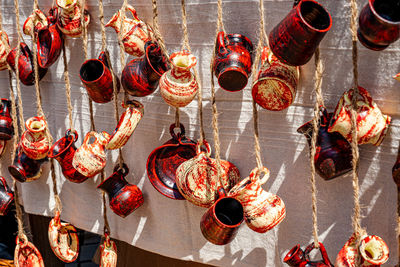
224 224
372 8
298 7
101 75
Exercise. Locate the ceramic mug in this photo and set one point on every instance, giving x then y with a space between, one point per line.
296 257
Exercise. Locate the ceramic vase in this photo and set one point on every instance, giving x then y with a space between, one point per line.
35 22
69 17
34 141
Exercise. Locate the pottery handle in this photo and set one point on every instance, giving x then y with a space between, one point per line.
255 174
3 181
179 135
207 148
103 57
322 250
296 2
221 192
87 137
133 12
221 43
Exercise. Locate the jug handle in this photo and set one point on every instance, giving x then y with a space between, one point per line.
221 43
87 137
69 132
124 170
104 57
322 250
25 50
133 12
3 181
179 135
296 2
205 147
255 174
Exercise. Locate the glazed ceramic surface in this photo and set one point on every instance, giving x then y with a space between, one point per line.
26 254
108 253
6 197
25 169
34 141
35 22
69 17
49 43
4 43
6 122
296 257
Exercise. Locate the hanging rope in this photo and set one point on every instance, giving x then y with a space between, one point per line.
67 86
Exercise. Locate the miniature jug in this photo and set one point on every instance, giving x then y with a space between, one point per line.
4 45
35 22
6 122
135 32
178 86
49 43
26 254
299 258
34 141
6 197
140 76
372 125
232 61
108 252
69 17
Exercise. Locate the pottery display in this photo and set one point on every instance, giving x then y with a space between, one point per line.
295 39
63 239
6 197
372 124
232 61
49 43
379 24
276 84
4 44
123 197
69 17
296 257
26 254
6 122
135 32
36 21
140 77
178 86
108 253
127 124
34 141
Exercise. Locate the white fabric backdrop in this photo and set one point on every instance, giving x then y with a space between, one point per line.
171 227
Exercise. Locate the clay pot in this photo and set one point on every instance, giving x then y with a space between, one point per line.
6 122
69 17
26 254
4 45
34 141
178 86
135 32
296 257
108 253
140 76
63 239
372 125
6 197
49 43
127 124
63 151
123 197
35 22
197 178
232 61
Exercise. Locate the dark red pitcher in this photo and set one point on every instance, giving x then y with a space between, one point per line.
6 197
233 60
6 125
299 258
49 43
295 39
63 151
333 155
140 76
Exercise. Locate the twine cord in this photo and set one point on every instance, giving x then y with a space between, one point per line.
67 86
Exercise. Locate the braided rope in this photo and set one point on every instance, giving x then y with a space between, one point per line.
67 86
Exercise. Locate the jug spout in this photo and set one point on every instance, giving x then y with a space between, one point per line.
115 22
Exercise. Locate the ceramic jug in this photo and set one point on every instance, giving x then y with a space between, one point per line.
276 84
262 210
69 17
127 123
372 125
333 155
34 141
135 32
63 151
123 197
35 22
6 122
140 76
6 197
372 251
232 61
63 239
296 257
108 252
197 178
90 158
26 254
49 43
4 46
178 86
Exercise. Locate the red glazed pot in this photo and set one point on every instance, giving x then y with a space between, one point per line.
26 254
295 39
35 22
297 258
4 44
123 197
6 122
232 61
6 197
63 151
69 17
108 253
25 64
140 76
379 24
49 43
34 141
220 223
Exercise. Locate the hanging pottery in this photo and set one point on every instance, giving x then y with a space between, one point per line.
397 77
49 43
123 197
6 197
63 239
372 125
140 76
333 155
90 158
135 33
295 39
108 253
35 22
97 78
232 61
163 162
178 86
372 251
379 24
63 151
26 254
4 45
276 84
262 210
127 124
6 122
296 257
197 179
69 17
34 141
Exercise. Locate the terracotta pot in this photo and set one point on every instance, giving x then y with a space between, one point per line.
35 22
299 258
63 151
372 125
233 60
178 86
108 253
26 254
197 178
295 39
276 84
63 239
6 122
123 197
127 124
69 17
6 197
49 43
135 32
4 44
34 141
140 76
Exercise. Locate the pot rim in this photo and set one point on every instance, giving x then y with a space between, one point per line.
101 75
372 8
68 132
298 9
215 215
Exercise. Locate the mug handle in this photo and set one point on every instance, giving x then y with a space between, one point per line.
173 134
124 170
221 43
255 174
322 250
88 135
